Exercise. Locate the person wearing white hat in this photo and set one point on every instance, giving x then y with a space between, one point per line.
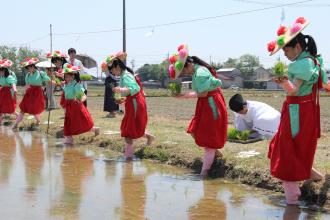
292 150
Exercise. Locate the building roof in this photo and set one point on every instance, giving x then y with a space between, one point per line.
224 77
226 69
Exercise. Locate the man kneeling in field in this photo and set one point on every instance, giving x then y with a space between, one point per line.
258 117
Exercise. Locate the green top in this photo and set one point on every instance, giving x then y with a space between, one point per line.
203 80
9 81
305 69
73 90
14 75
37 78
128 81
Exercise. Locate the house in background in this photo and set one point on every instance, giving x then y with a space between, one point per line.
260 73
230 77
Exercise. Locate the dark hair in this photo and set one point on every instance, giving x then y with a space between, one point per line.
122 66
35 67
53 60
76 76
7 73
197 60
72 50
309 46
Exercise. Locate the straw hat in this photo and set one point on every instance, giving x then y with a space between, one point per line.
29 61
178 61
286 34
5 63
108 61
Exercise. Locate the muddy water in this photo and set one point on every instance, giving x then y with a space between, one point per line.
41 181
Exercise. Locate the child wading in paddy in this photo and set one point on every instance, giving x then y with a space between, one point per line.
209 124
133 125
292 150
77 118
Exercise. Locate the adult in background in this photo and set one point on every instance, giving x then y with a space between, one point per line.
111 82
75 62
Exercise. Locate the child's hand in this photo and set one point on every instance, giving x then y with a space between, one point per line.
120 101
116 89
280 80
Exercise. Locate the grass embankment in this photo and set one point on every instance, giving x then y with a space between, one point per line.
168 119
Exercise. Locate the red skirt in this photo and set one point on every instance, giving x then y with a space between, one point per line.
62 101
210 131
291 159
7 101
77 118
33 101
134 122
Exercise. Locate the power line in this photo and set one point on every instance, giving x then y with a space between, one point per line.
277 3
36 39
185 21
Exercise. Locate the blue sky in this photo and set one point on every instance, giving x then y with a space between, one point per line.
27 23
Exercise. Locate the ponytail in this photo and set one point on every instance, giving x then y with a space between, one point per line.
309 46
6 72
77 77
201 62
124 67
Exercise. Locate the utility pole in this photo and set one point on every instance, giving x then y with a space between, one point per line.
51 49
124 26
51 37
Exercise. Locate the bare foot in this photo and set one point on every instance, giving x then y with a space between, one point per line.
97 131
14 127
204 173
316 175
150 139
218 154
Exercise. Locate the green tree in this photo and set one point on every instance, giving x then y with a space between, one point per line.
158 72
246 64
230 63
17 55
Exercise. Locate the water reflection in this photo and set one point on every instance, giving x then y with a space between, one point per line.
7 154
209 206
133 191
41 181
291 213
32 151
75 169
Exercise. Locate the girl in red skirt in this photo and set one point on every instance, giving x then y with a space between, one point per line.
59 59
209 125
135 120
7 89
77 118
292 150
33 100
